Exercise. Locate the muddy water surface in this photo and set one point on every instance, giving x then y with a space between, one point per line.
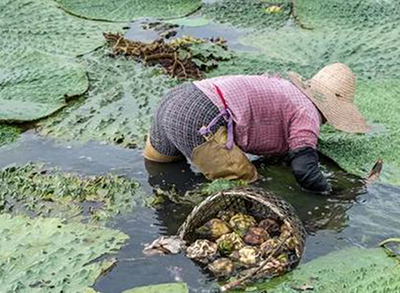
354 215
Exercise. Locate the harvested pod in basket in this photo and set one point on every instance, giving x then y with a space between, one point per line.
221 267
240 223
268 246
202 250
271 225
229 242
213 229
260 204
256 236
248 255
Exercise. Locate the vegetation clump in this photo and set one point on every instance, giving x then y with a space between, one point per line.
36 190
183 58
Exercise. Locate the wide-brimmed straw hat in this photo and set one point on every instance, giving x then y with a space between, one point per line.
332 91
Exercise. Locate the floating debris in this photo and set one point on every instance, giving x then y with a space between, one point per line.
183 58
164 245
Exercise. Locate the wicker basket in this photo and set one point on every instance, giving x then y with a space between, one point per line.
256 202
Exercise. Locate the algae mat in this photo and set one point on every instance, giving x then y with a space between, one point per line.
34 85
40 25
118 106
127 10
46 255
349 270
38 190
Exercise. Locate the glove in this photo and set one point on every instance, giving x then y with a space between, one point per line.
305 168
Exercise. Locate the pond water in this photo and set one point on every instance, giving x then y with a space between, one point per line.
353 215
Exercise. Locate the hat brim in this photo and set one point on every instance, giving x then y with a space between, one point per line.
341 114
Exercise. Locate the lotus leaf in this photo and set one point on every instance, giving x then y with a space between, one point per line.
371 52
49 192
161 288
127 10
8 134
320 13
349 270
40 25
118 106
249 13
34 85
46 255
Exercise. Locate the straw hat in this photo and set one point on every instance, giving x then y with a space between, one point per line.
332 91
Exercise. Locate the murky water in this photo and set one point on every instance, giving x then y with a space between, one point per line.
354 215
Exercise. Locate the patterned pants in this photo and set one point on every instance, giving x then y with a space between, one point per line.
178 118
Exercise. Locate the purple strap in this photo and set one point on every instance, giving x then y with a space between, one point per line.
227 114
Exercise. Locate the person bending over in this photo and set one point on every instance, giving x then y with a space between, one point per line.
215 122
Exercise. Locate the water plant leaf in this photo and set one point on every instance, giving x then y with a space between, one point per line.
39 190
161 288
320 13
249 13
41 25
46 255
127 10
348 270
118 106
369 50
8 134
34 85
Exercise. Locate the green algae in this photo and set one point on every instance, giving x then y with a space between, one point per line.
34 85
349 270
128 10
118 106
38 190
41 25
47 255
8 134
252 14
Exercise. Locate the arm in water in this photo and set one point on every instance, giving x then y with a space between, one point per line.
305 168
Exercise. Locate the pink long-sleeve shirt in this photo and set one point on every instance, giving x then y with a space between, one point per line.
270 114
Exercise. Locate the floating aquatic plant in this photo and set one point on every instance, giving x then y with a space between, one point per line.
41 25
348 270
251 14
35 189
118 106
128 10
35 85
47 255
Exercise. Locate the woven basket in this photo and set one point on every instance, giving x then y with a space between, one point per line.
256 202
